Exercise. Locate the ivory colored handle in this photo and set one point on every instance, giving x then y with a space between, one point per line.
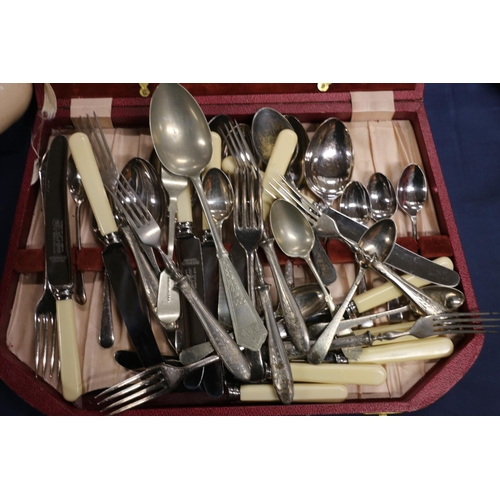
421 349
303 393
71 374
81 149
228 166
339 374
384 293
278 163
184 210
215 162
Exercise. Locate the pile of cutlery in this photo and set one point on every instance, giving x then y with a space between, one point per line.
211 294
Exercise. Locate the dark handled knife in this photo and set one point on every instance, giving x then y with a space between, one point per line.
59 265
400 257
189 259
114 255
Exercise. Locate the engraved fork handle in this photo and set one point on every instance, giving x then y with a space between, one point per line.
249 329
223 344
295 324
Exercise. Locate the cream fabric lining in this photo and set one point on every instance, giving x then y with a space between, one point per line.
386 146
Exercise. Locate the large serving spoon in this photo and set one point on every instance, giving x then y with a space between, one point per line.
378 240
329 160
182 140
79 196
412 193
295 236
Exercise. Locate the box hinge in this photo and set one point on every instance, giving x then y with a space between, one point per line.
101 107
377 105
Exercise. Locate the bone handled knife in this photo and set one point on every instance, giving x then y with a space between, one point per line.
59 266
114 255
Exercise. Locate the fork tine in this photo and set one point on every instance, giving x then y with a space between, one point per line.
53 344
165 390
128 381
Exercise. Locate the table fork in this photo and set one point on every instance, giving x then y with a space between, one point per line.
294 321
428 326
147 385
45 312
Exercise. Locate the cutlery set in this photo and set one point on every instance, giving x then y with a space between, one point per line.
235 328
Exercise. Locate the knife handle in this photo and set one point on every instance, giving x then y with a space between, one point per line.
278 163
215 162
329 373
70 374
415 350
303 393
228 166
384 293
85 162
184 208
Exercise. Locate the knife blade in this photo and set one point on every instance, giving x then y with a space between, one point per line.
59 266
189 259
400 257
114 255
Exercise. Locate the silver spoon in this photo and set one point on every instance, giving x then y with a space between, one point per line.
295 236
382 196
220 199
378 240
329 160
412 193
78 194
183 142
355 203
384 205
267 123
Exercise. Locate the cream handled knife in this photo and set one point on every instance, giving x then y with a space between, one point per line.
59 267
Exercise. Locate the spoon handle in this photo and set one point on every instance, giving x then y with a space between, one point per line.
294 322
328 297
425 303
249 330
414 231
320 349
80 295
106 333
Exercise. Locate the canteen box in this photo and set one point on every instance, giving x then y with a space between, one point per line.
389 126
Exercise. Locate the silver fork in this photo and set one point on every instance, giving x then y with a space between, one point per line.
294 321
147 385
149 233
45 311
247 220
428 326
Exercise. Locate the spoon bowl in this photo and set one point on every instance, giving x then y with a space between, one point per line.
329 160
412 193
220 195
355 202
267 123
377 242
382 196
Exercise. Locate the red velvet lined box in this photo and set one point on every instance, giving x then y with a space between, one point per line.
240 101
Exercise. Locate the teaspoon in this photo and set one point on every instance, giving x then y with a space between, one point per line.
412 193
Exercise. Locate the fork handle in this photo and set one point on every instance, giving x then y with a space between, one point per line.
71 375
